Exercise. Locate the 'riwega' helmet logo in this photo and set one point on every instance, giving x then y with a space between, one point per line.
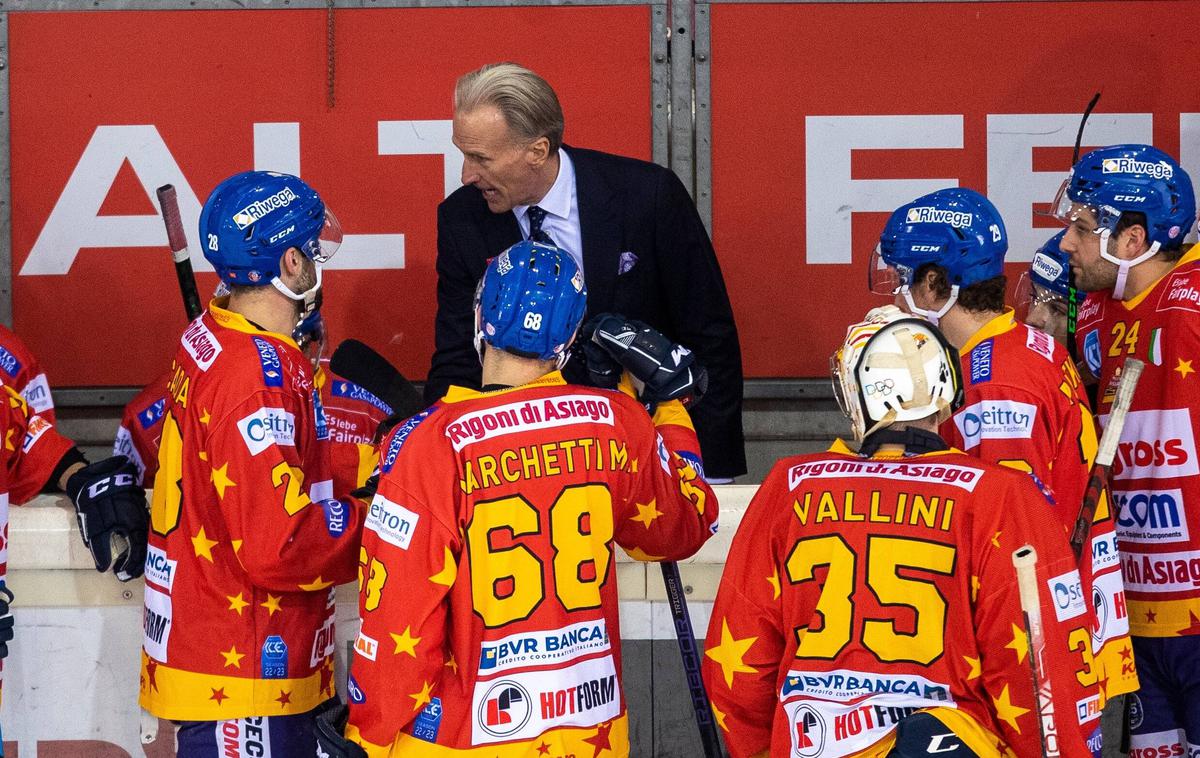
259 208
930 215
1160 170
1046 267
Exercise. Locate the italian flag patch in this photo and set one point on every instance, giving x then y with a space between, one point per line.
1156 357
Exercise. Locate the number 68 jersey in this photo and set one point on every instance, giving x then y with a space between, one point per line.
488 585
859 591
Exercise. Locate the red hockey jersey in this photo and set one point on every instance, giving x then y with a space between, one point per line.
1026 408
20 370
352 414
860 590
1156 473
246 540
487 576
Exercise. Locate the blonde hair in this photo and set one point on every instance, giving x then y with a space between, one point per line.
525 100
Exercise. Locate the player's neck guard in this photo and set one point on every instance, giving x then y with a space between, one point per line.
915 441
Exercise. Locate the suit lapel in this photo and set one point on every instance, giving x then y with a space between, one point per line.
500 232
600 229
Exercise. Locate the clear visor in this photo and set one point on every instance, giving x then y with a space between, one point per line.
1066 210
835 375
328 241
884 279
1033 300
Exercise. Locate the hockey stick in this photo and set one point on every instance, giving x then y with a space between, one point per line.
169 205
368 369
1072 293
1098 481
691 659
1025 562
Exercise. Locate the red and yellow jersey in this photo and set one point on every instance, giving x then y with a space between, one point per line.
246 541
351 414
487 575
1026 408
1155 478
20 370
860 590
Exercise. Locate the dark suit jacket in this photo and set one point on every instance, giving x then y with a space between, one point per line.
625 205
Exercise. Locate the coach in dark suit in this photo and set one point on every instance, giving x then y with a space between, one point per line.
630 224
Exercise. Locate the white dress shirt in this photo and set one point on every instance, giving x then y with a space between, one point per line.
562 211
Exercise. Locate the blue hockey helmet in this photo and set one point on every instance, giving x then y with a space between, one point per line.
252 218
1113 180
530 302
1051 268
1044 290
956 228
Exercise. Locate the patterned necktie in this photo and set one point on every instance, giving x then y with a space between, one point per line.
536 233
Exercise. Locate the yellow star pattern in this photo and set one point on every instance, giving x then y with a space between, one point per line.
452 664
221 480
975 669
773 580
646 513
233 657
1019 643
315 585
1006 711
8 443
720 717
237 546
204 416
236 603
996 539
731 654
203 456
633 466
271 605
638 554
449 571
974 587
422 698
1184 368
405 642
203 545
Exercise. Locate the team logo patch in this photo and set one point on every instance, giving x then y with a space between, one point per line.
9 362
335 516
393 522
152 414
343 388
37 394
260 208
1091 351
1066 590
505 709
995 420
428 721
274 658
981 362
268 426
200 343
268 356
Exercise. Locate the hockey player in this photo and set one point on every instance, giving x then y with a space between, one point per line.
488 582
247 540
1128 209
20 369
1025 406
1043 291
869 603
141 426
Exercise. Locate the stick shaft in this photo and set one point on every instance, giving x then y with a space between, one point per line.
1025 562
691 660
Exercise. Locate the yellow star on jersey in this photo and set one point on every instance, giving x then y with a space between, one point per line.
221 480
974 587
405 642
203 456
633 466
8 443
975 669
237 546
204 416
236 603
449 571
1184 368
315 585
1019 643
638 554
720 717
1006 711
233 657
271 605
422 698
731 654
773 580
203 545
646 513
996 539
452 664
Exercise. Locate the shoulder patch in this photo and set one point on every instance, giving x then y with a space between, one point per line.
1181 292
343 388
400 435
981 362
268 356
1091 351
1090 311
1040 343
151 415
9 362
200 343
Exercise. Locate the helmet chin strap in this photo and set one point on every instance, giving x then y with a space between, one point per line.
932 316
308 296
1123 266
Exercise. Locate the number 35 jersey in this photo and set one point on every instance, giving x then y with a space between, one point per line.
858 591
488 585
1155 479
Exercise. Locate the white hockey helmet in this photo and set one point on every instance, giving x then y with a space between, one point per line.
895 367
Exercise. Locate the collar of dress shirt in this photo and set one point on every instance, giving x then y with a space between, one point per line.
557 201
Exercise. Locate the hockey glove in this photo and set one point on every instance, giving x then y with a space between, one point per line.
603 370
6 620
667 370
113 519
330 742
366 492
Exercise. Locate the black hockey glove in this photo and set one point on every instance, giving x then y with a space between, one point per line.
667 370
330 743
366 492
6 620
603 370
113 519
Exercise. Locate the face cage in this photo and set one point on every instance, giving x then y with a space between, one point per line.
884 278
